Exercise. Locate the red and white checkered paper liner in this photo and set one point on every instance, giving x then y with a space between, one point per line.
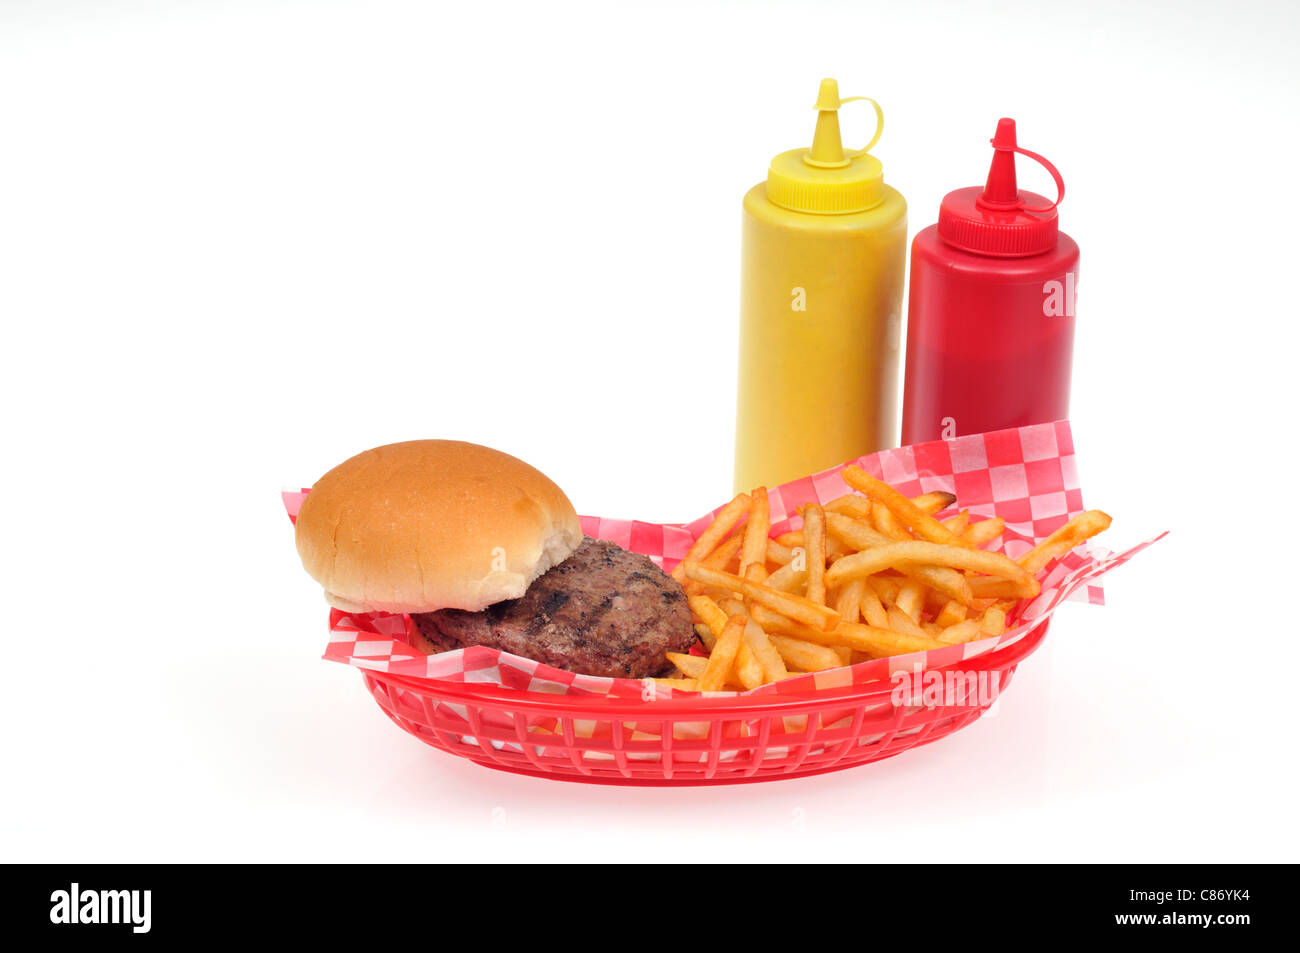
1026 475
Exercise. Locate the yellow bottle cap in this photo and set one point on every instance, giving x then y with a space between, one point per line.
827 180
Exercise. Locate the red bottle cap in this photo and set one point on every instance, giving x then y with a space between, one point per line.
999 219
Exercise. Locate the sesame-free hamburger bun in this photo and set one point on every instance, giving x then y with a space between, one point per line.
432 524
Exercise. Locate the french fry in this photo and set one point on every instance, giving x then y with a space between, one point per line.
886 587
722 657
985 531
765 652
875 641
908 513
814 540
962 631
725 552
732 606
951 613
1082 527
910 598
692 666
848 601
957 524
796 607
872 561
788 579
716 593
887 524
793 538
748 670
781 555
709 612
949 582
872 609
754 551
935 601
805 656
994 622
855 533
705 635
774 623
991 587
851 504
900 621
881 643
934 502
718 559
714 534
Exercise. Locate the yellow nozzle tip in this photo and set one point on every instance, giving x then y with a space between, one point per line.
828 97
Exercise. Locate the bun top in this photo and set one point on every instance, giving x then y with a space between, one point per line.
432 524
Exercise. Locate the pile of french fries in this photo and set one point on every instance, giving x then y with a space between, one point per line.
871 574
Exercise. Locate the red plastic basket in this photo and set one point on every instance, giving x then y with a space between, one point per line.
685 739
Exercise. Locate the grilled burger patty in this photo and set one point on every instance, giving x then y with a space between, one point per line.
603 611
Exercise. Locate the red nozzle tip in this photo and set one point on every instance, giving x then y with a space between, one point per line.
1004 140
1000 189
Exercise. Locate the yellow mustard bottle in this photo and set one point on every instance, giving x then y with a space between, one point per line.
823 251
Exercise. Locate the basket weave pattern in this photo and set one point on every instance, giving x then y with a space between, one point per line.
687 739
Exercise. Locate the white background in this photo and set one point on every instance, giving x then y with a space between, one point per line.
241 242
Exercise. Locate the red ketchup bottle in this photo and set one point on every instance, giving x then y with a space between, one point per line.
990 320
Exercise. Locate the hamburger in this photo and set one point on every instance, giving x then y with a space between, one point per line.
479 548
